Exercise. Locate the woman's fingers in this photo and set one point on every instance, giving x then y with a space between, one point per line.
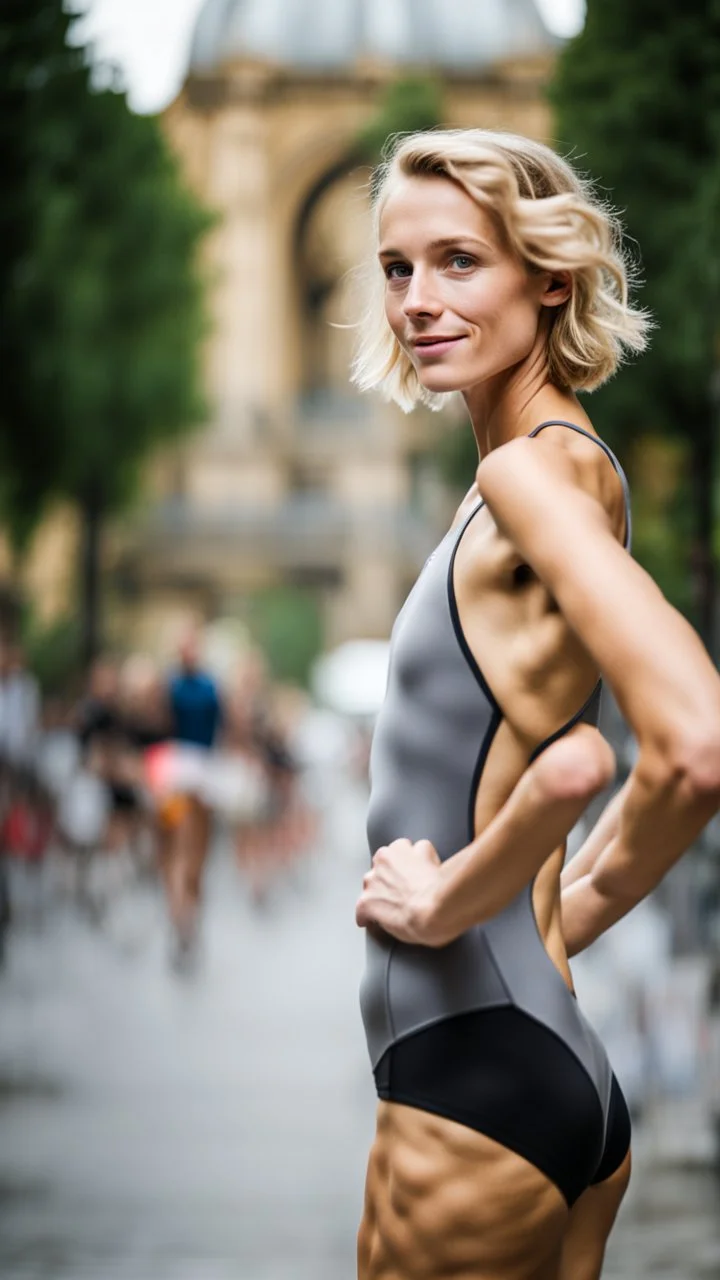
395 891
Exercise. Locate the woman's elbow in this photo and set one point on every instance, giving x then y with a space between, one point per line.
692 764
577 766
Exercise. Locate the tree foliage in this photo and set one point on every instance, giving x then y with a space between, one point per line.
99 279
637 99
35 60
407 105
285 622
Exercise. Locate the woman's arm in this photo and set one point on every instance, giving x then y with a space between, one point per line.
416 898
586 911
663 680
605 829
666 687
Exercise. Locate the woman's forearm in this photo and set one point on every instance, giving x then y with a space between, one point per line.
663 812
605 829
587 913
650 824
481 879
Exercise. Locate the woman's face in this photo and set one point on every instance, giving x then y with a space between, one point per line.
462 307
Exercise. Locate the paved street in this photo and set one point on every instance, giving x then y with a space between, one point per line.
215 1128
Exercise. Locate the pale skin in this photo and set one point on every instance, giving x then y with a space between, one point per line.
548 600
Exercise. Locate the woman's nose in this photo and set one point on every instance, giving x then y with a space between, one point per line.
420 297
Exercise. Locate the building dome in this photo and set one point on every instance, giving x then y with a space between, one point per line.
330 35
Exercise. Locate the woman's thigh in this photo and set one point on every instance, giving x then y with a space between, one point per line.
443 1200
589 1225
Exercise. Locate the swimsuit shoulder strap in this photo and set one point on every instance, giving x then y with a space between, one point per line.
553 422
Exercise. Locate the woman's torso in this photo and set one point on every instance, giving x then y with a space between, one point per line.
484 671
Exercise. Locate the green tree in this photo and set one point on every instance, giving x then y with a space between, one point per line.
406 106
42 75
285 622
103 289
637 97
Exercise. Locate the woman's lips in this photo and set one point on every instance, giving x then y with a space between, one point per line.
435 346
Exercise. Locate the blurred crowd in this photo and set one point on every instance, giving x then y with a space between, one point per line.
131 782
142 768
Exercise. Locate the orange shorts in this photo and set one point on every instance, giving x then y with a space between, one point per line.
172 810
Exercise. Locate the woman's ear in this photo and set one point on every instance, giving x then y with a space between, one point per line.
558 290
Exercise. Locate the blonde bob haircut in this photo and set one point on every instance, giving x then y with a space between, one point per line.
550 218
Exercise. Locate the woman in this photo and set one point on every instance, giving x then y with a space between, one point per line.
502 1145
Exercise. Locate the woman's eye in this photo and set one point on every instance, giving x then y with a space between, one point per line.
462 261
398 271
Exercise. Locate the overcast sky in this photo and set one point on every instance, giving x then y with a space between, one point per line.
149 40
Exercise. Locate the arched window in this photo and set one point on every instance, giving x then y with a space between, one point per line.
332 235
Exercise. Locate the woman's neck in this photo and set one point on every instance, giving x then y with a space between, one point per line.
500 413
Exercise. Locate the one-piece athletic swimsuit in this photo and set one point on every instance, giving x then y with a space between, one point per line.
484 1031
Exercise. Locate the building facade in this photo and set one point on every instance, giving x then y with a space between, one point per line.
297 480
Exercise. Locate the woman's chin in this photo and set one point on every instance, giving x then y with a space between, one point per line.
441 381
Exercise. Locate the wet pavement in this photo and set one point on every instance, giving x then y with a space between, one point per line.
215 1128
669 1226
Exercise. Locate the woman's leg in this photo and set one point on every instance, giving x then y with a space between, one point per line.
184 828
194 845
443 1201
254 859
589 1225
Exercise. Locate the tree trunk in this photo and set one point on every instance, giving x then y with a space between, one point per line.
90 604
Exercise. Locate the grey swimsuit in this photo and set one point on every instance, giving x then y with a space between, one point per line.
483 1031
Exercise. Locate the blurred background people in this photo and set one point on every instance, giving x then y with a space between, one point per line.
195 710
20 711
98 721
195 719
280 825
24 820
145 724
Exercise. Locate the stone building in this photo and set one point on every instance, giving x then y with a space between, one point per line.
296 479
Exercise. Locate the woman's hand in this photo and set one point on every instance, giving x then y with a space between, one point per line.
398 894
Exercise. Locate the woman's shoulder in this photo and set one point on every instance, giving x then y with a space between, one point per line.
562 457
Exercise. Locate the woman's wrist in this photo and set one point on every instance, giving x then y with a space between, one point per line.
586 913
438 920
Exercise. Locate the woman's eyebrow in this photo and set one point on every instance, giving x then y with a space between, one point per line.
444 243
447 241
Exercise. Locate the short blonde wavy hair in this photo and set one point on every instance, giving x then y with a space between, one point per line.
552 220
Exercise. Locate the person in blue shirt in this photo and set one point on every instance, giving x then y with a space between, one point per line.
196 719
194 699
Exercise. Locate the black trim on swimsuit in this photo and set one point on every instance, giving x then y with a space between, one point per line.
617 1136
507 1076
474 666
591 704
455 614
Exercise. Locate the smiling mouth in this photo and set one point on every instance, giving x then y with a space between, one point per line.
438 337
436 345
